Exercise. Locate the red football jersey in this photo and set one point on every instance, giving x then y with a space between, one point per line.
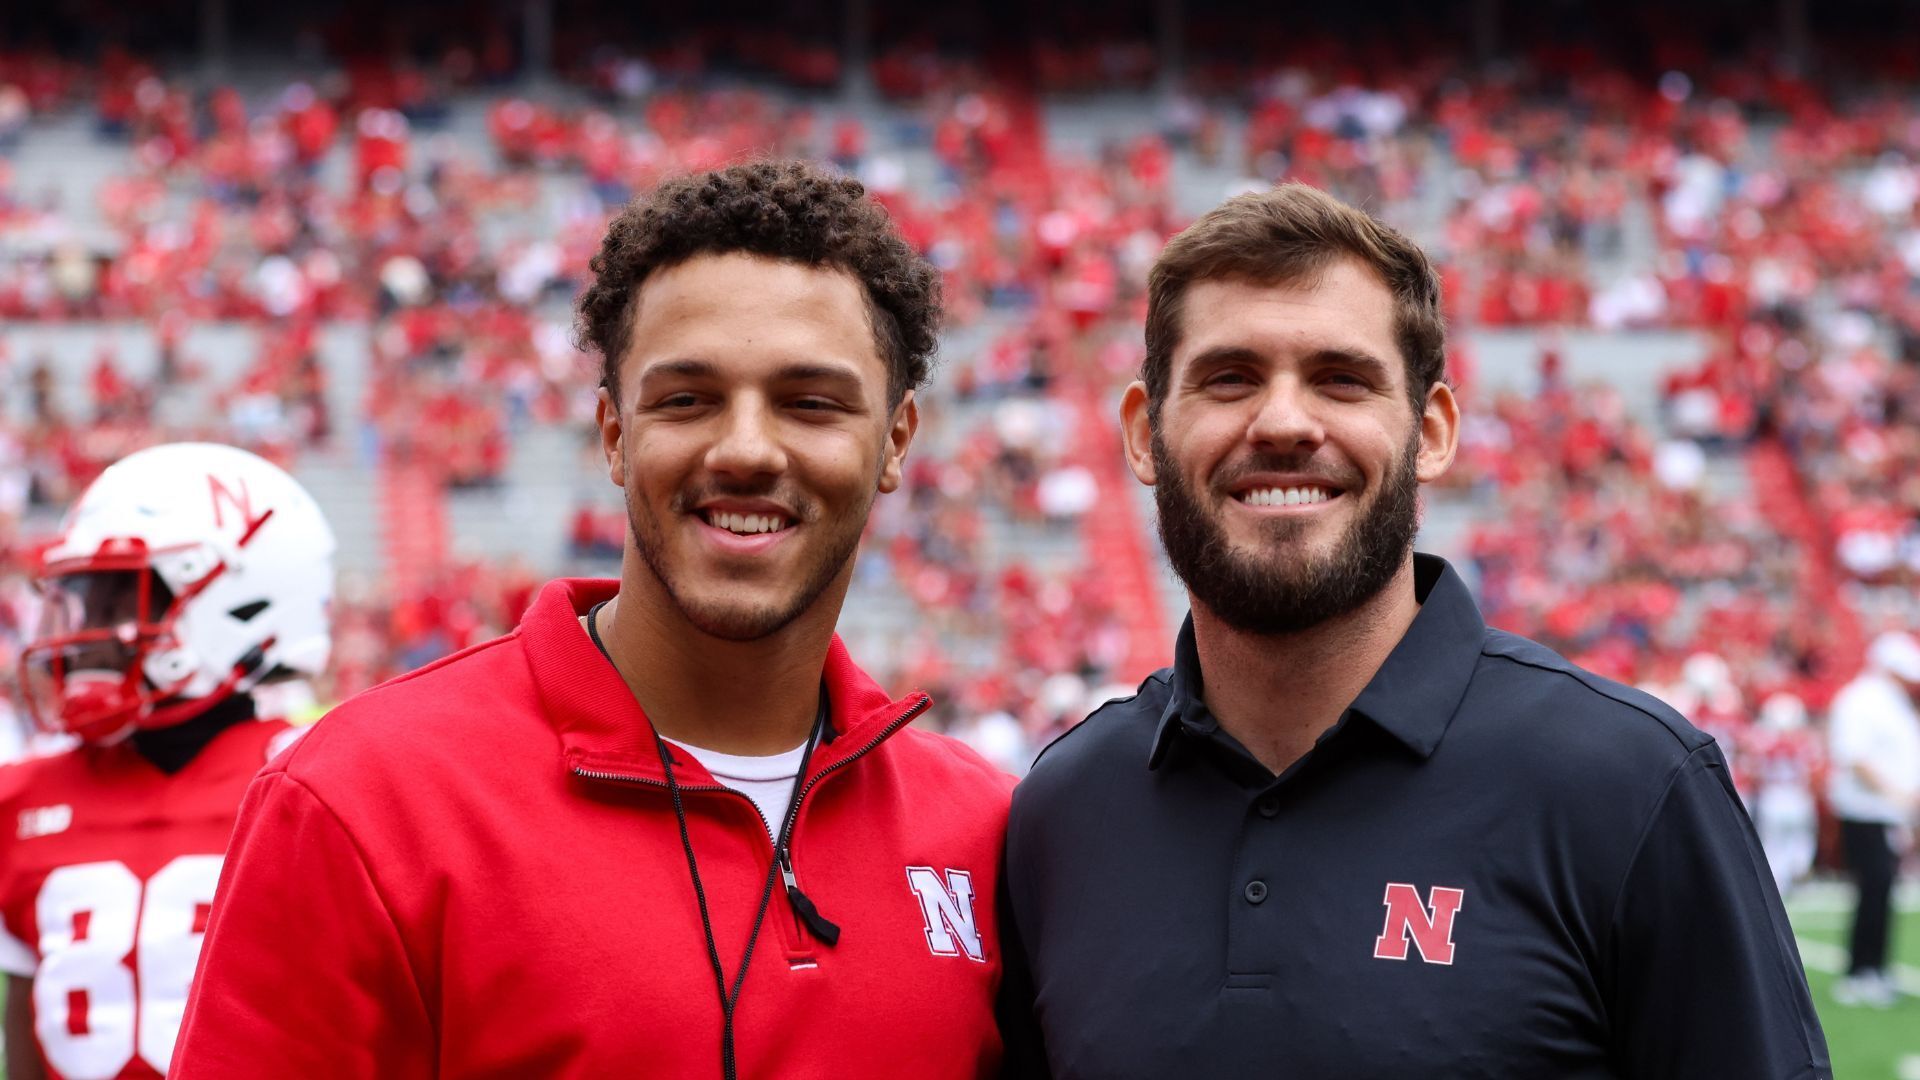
107 869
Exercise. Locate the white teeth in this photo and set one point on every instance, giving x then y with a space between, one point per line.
1297 496
746 524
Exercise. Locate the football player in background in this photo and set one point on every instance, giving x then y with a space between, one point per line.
186 576
1782 758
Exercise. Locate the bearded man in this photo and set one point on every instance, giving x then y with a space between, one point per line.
1353 831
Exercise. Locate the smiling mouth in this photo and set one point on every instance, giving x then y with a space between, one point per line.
746 524
1305 495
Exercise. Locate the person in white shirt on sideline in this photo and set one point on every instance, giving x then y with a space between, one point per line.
1874 789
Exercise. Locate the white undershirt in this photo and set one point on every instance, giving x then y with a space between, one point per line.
768 781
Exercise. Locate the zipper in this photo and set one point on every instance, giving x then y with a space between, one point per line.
592 774
895 725
798 902
791 885
784 862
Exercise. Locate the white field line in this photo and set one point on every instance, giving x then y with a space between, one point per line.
1832 959
1821 920
1827 897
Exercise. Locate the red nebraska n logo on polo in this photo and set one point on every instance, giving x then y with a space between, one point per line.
1428 925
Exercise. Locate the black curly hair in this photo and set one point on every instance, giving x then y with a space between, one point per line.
787 210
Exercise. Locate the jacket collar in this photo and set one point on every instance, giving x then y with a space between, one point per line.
1412 697
602 729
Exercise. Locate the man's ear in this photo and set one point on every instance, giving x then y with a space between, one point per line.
606 413
1136 433
1439 433
906 421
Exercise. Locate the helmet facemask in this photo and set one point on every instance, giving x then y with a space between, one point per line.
109 657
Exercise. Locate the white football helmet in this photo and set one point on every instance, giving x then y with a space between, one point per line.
185 574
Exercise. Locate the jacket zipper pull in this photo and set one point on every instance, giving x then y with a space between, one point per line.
817 924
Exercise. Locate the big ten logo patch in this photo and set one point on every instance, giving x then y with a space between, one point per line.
45 821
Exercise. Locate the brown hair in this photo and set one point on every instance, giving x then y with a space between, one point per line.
788 210
1287 235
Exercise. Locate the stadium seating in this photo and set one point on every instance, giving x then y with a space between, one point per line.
1679 322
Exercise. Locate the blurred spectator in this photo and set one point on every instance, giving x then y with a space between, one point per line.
1876 793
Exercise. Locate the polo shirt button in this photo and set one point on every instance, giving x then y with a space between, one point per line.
1256 891
1268 805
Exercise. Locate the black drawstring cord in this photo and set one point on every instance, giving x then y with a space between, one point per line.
728 1000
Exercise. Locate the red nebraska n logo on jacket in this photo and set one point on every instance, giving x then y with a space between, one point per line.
1429 926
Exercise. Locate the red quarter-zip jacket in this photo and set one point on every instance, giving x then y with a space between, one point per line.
475 870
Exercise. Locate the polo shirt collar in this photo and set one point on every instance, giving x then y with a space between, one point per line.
1186 710
1415 693
1412 697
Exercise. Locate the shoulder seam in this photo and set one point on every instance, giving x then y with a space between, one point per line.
366 867
1159 676
1572 673
445 661
1640 841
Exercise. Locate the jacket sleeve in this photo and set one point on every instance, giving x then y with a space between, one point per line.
303 971
1705 979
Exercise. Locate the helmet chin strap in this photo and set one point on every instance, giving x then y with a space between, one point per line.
186 709
104 711
98 707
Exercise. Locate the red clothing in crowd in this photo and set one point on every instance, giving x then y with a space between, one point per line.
476 870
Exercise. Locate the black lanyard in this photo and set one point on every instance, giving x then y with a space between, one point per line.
730 999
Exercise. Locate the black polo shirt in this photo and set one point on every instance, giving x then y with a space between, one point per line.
1495 865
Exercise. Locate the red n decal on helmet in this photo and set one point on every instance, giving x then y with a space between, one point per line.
242 503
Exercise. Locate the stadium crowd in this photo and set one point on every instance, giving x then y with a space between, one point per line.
1773 214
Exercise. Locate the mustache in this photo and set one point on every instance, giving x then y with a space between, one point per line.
804 510
1345 478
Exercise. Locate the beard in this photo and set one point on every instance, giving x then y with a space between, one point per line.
1277 589
738 620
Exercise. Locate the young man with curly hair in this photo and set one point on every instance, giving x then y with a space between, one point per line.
665 827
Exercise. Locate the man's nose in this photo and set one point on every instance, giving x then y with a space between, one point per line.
1286 420
748 444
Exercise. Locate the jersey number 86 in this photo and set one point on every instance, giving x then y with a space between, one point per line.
92 1011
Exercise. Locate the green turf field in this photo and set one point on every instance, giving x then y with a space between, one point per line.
1867 1044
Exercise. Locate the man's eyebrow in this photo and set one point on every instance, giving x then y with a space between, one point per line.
817 373
1222 355
1352 358
688 369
